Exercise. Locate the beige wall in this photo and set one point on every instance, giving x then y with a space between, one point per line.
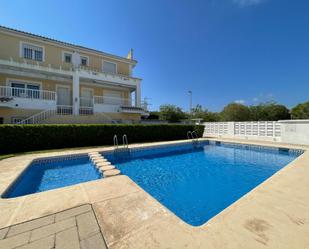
100 90
92 119
8 113
53 53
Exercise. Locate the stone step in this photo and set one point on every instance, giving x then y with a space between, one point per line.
112 172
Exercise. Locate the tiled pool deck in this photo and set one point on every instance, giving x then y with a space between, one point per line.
273 215
70 229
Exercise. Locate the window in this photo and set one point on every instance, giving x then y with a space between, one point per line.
109 67
25 90
32 52
84 61
67 57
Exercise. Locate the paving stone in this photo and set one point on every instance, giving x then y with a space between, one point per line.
15 241
72 212
112 172
45 243
96 156
94 153
87 225
67 239
52 229
108 167
94 242
103 164
3 232
31 225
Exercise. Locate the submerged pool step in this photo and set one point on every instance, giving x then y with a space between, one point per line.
103 165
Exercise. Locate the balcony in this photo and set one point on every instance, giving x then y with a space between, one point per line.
24 98
108 104
13 67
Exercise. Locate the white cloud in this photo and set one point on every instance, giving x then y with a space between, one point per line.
244 3
262 98
240 101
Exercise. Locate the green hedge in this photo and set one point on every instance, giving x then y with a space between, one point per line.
21 138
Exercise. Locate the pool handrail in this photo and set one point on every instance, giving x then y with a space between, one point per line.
115 139
125 141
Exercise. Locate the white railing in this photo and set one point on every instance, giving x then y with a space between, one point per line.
15 92
36 118
64 110
86 110
266 129
65 69
112 100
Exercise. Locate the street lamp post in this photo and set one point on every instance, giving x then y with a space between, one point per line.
190 96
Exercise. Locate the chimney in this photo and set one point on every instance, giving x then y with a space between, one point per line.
130 54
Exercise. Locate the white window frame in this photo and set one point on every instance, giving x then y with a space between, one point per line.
9 82
63 56
21 50
84 56
112 63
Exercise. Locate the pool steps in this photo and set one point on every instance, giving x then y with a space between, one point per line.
103 165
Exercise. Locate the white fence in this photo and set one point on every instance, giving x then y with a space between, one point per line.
287 131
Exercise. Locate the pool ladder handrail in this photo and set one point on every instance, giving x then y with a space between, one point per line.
193 136
125 141
115 139
189 135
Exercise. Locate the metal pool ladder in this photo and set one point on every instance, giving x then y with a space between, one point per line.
193 136
124 151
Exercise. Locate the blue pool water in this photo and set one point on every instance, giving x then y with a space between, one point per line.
45 175
197 184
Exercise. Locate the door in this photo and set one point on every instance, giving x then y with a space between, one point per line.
113 97
86 99
63 96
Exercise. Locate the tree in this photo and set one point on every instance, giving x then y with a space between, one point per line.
235 112
301 111
207 116
171 113
269 112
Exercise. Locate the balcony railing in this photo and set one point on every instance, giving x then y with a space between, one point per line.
15 92
94 73
64 109
112 100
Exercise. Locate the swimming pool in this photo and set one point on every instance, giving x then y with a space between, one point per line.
198 183
45 174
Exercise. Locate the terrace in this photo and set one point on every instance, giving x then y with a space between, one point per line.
273 215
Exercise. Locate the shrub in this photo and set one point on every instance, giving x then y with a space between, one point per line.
22 138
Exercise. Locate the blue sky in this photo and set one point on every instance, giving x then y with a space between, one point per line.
223 50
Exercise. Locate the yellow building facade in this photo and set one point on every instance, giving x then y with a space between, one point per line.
48 81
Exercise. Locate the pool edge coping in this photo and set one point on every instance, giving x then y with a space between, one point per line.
213 219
